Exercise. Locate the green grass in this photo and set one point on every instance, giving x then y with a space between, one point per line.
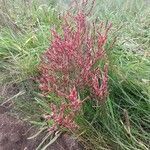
21 48
122 123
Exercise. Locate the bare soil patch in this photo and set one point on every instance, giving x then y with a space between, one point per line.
14 135
14 132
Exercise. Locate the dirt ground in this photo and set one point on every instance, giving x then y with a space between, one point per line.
14 135
14 132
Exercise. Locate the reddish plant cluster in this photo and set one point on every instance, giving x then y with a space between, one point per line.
71 63
64 115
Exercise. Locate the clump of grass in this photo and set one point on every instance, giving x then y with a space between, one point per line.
20 50
122 123
123 120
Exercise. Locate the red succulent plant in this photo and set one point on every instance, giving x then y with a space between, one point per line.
71 62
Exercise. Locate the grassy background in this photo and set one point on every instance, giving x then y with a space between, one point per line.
122 123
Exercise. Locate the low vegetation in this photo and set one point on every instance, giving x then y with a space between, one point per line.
122 120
